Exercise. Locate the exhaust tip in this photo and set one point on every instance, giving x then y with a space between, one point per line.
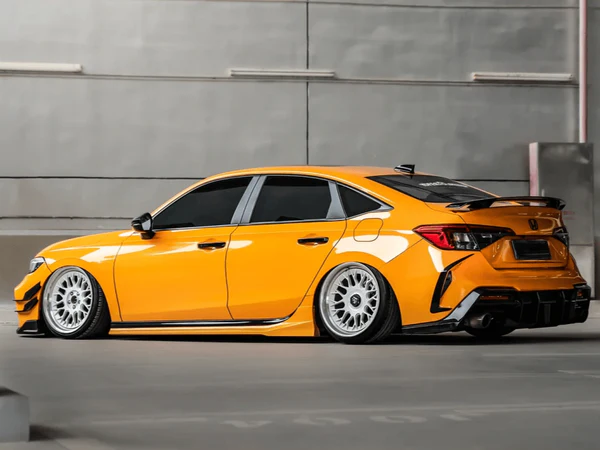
481 321
486 320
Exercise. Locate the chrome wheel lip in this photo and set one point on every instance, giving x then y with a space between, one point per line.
370 297
67 300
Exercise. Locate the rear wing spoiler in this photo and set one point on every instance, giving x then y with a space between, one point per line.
548 202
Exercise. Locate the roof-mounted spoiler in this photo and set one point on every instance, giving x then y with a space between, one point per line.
549 202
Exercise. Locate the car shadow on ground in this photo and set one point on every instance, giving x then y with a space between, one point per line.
464 339
519 337
79 439
443 339
46 433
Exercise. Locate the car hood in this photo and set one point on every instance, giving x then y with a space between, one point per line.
110 238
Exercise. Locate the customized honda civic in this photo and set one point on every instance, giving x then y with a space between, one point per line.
355 253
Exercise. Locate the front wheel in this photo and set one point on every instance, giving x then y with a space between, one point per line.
74 306
356 304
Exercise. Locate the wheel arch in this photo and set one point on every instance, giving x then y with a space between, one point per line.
321 280
102 273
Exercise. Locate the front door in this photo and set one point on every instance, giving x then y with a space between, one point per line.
179 273
274 257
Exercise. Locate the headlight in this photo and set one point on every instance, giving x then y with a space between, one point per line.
35 263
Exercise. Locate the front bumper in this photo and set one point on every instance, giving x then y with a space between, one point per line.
514 309
28 297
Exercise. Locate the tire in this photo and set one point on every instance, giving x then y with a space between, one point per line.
369 293
80 308
493 332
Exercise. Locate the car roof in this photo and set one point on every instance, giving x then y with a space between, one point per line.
342 172
354 175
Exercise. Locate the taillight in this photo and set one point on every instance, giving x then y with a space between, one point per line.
462 237
562 235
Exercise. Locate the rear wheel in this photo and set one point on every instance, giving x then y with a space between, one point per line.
74 306
356 304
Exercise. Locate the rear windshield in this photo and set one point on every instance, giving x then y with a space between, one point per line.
430 188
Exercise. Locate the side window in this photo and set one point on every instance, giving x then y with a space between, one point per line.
356 203
208 205
289 198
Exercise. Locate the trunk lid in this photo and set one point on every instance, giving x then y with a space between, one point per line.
533 245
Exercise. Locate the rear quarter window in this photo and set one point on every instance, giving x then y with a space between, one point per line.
430 188
355 203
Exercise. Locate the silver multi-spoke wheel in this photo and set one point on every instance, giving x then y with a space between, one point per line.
350 299
68 300
73 305
357 305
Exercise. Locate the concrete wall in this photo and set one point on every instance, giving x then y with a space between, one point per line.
155 109
594 118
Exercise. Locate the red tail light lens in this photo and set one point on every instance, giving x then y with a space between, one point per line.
448 237
462 237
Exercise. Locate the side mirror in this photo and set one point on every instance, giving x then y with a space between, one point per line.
143 224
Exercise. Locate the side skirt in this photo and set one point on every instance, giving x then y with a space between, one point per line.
300 323
431 327
199 323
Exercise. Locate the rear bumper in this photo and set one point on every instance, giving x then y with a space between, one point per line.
533 309
514 309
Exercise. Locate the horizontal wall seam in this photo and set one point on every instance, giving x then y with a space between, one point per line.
473 6
434 6
387 81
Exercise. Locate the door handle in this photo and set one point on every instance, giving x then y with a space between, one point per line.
209 245
315 240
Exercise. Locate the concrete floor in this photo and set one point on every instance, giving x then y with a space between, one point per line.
534 390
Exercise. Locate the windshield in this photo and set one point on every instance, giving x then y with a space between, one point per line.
430 188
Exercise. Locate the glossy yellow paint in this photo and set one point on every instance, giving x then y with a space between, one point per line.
410 272
301 324
269 272
94 254
29 282
500 255
169 277
263 272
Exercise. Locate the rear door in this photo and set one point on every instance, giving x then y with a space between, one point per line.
289 228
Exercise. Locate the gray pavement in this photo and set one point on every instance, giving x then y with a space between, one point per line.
533 390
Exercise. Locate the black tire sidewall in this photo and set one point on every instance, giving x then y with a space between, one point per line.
381 315
91 316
